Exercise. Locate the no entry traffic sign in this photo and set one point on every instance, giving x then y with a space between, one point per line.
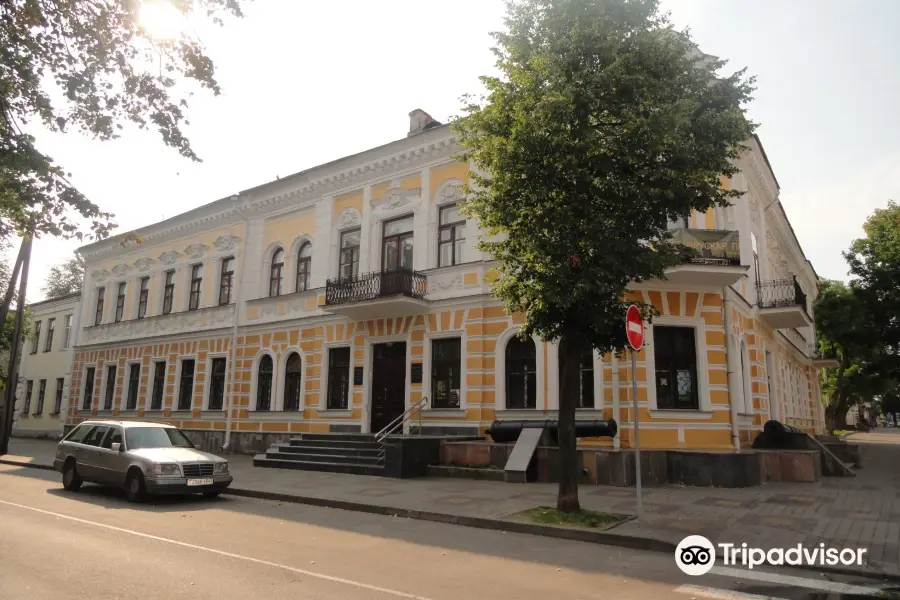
634 327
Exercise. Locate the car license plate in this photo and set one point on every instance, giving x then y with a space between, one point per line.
207 481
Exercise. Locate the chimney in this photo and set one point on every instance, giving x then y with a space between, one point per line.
420 121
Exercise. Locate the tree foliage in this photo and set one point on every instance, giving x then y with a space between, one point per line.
604 125
65 278
86 66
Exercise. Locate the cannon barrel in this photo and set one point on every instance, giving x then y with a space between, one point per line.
777 427
508 431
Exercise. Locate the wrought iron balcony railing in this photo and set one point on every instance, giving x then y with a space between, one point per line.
380 284
780 293
718 247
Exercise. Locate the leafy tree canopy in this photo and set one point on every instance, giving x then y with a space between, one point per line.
86 66
605 125
65 278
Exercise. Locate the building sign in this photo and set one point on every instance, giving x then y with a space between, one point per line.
710 246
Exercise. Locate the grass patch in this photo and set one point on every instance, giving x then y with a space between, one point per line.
840 432
588 519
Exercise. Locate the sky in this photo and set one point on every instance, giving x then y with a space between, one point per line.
305 83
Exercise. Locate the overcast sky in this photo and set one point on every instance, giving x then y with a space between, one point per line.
308 82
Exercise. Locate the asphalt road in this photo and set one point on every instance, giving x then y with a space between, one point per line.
94 544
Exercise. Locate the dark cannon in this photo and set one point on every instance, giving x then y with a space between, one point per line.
779 436
508 431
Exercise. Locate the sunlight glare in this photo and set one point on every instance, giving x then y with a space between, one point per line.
160 20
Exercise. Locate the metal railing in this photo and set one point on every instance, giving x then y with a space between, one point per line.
369 286
780 293
392 427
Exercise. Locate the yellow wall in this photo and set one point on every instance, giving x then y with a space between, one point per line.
351 200
288 229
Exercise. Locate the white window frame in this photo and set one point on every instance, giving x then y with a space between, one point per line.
280 372
540 403
68 321
705 409
125 387
207 380
554 376
177 391
83 385
151 385
254 381
323 387
463 370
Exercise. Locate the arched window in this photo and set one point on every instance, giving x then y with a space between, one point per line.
264 383
585 378
521 374
275 273
303 260
292 374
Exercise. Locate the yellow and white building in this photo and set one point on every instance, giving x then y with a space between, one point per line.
44 370
336 298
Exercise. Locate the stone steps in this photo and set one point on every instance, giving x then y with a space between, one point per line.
352 453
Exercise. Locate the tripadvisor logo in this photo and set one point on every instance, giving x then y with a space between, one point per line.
696 555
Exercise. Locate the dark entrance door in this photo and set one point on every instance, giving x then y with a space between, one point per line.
388 383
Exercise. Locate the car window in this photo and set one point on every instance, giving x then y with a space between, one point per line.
114 437
156 437
78 434
96 436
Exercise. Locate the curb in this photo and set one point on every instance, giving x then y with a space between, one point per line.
18 463
577 535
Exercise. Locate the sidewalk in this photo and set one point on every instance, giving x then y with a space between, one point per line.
861 511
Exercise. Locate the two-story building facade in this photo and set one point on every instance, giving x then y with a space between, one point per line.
337 298
44 369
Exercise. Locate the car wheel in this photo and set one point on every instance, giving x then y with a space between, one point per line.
71 481
214 494
135 490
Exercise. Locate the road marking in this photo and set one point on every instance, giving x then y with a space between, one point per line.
790 580
717 594
258 561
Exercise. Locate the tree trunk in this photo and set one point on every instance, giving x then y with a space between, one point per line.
571 347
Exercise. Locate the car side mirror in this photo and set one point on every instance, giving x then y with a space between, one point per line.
116 447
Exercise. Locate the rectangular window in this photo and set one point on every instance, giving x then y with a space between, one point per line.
67 337
349 265
338 377
196 282
168 292
445 372
186 385
26 404
397 244
120 302
51 327
57 401
159 385
754 245
110 391
134 380
451 236
585 378
227 281
89 375
36 338
143 295
98 314
676 367
217 384
42 392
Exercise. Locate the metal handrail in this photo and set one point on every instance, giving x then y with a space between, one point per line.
397 423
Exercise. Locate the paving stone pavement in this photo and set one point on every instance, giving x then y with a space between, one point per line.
861 511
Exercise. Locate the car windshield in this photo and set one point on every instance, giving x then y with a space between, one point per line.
156 437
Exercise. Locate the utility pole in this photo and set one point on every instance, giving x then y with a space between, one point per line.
6 416
7 297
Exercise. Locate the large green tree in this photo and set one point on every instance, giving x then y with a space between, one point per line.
88 66
65 278
604 125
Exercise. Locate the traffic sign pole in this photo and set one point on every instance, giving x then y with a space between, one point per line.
634 330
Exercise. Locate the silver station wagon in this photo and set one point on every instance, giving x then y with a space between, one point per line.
143 458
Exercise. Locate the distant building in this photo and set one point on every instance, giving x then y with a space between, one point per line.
44 370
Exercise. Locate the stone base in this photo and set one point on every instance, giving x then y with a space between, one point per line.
790 465
37 434
714 469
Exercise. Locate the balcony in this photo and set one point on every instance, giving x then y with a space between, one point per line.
820 361
712 258
782 304
375 295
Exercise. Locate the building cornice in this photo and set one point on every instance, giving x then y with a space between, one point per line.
346 173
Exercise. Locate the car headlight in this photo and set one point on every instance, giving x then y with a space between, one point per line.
166 469
221 467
